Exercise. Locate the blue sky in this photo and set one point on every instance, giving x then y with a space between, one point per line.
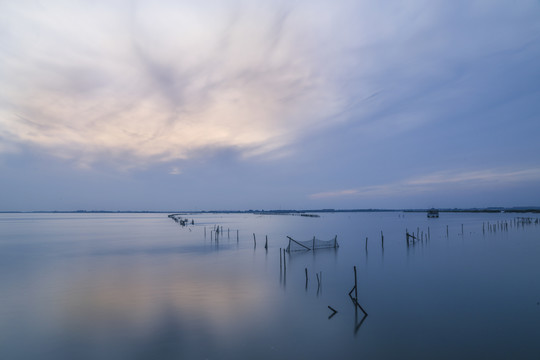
199 105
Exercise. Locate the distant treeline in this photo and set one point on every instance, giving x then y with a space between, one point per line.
532 209
486 210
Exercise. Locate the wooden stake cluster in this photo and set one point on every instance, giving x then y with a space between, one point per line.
180 220
411 239
505 225
217 231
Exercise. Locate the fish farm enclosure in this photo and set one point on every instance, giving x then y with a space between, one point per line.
368 285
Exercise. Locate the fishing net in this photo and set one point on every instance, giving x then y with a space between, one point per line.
296 245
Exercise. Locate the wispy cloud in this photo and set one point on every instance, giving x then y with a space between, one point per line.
438 182
143 82
157 82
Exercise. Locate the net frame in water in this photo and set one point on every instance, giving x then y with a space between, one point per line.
312 244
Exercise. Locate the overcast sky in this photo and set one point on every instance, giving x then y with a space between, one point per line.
200 105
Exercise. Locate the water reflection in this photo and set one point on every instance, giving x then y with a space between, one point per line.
358 324
128 287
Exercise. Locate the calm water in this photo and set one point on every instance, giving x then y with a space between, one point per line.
139 286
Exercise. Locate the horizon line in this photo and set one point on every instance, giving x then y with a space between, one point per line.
325 210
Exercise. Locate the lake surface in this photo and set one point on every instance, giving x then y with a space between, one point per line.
140 286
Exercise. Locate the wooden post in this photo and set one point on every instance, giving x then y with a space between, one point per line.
382 239
446 230
254 240
266 244
236 235
366 243
284 262
407 235
306 278
428 233
228 233
355 286
280 261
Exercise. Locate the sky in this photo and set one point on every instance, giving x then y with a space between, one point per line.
268 104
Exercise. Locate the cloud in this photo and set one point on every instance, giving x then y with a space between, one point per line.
437 183
141 82
157 83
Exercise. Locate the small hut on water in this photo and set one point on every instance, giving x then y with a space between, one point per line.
433 213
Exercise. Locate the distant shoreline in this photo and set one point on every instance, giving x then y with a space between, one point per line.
283 212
